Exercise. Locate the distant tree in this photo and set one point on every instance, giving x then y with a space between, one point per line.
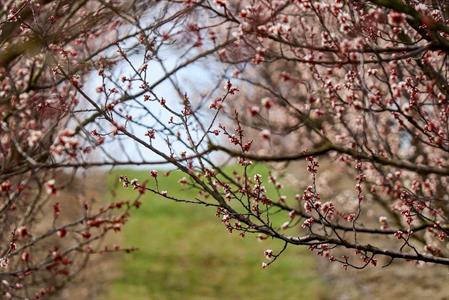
358 85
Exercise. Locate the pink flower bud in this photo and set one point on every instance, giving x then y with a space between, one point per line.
267 102
265 134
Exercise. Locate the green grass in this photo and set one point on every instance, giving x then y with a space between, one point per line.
186 253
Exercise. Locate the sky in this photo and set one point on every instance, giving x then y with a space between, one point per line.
194 80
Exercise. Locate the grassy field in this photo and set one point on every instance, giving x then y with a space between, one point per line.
186 253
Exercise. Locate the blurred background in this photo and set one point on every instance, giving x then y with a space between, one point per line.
184 252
